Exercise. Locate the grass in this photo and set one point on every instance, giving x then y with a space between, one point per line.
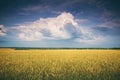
59 64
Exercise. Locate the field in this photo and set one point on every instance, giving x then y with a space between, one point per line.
59 64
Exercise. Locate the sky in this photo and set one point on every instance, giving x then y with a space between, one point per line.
60 23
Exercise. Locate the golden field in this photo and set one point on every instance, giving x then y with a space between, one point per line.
59 64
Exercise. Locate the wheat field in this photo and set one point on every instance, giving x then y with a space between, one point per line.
59 64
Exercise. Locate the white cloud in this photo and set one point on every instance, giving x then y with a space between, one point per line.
110 24
30 37
56 28
3 30
93 40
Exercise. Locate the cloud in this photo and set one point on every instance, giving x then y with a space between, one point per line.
63 26
93 40
47 28
3 30
110 24
35 8
32 8
109 20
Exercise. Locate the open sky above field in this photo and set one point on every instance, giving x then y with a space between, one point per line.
60 23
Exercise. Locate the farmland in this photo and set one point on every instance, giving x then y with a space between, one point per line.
59 64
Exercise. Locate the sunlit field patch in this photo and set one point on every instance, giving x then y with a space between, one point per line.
59 64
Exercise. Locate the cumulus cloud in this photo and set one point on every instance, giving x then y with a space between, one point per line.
3 30
47 28
64 26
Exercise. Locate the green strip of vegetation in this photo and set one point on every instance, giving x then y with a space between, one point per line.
47 48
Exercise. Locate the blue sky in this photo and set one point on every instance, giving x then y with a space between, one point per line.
60 23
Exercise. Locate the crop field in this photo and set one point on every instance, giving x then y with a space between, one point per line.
59 64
